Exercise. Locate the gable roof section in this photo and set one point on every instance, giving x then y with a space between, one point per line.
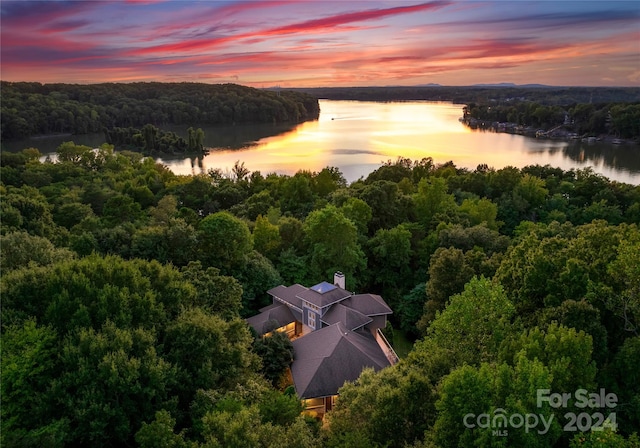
352 319
289 294
325 298
368 304
326 358
278 313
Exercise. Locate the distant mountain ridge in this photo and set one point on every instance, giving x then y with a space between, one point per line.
510 84
481 93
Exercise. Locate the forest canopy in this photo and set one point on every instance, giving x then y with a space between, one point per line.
124 287
31 109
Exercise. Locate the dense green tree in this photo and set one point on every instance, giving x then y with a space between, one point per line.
605 438
150 243
291 234
112 381
582 316
83 243
160 432
227 194
480 211
625 270
389 263
255 205
564 351
181 242
115 240
120 209
561 261
411 308
448 273
327 181
276 352
242 428
76 154
496 391
296 194
622 376
212 353
503 181
257 277
91 291
27 208
29 363
69 214
215 293
166 209
280 408
292 267
194 192
358 212
19 249
468 238
432 200
385 201
393 171
475 322
334 245
398 404
224 240
266 237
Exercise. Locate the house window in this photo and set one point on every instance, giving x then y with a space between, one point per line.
311 319
312 306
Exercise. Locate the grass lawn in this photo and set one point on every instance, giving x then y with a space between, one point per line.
401 344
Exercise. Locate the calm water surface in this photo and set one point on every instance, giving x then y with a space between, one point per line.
358 136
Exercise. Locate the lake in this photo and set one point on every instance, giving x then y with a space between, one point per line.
358 136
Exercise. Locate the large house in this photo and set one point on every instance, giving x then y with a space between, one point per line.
335 335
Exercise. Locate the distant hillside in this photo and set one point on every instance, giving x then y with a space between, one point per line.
510 84
547 95
30 109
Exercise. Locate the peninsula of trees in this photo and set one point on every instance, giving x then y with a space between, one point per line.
31 109
124 287
619 120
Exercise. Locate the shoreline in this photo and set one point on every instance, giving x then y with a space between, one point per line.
557 133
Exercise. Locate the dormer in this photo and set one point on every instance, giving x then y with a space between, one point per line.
317 300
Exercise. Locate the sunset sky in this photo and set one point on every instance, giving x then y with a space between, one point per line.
323 43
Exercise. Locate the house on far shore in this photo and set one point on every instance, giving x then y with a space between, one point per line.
335 335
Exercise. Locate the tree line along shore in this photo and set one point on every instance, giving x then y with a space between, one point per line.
33 109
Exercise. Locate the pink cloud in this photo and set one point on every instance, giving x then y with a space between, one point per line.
359 16
330 24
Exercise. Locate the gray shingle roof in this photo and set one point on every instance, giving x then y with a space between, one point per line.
326 298
288 293
368 304
352 319
326 358
271 317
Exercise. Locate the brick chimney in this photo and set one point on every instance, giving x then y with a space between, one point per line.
338 280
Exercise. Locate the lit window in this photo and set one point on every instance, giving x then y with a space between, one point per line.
311 318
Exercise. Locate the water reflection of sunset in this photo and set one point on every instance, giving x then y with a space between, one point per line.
358 137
